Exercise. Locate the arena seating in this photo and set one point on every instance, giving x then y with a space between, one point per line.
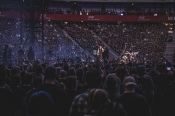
148 39
60 45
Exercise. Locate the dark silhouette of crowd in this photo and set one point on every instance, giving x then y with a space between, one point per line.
78 89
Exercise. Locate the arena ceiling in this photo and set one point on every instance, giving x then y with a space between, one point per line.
119 0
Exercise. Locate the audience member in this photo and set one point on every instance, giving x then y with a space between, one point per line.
7 100
79 105
133 103
40 104
112 85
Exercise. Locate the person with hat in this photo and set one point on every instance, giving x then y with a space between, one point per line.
134 104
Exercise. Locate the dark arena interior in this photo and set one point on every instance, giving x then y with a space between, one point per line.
87 57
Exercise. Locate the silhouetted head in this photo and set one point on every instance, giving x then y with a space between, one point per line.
93 78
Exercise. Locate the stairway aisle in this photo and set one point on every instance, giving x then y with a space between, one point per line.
87 52
170 49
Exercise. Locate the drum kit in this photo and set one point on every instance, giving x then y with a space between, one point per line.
127 57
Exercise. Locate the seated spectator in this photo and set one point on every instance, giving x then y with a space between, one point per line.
80 33
129 37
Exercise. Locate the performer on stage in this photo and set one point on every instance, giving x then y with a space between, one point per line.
128 56
132 57
105 54
99 52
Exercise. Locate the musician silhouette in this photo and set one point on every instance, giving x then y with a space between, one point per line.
99 52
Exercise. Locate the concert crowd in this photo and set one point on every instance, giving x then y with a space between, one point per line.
76 88
83 36
148 40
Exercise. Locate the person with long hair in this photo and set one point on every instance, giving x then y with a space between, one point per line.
100 105
99 52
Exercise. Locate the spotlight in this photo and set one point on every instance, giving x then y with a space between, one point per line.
155 14
121 14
